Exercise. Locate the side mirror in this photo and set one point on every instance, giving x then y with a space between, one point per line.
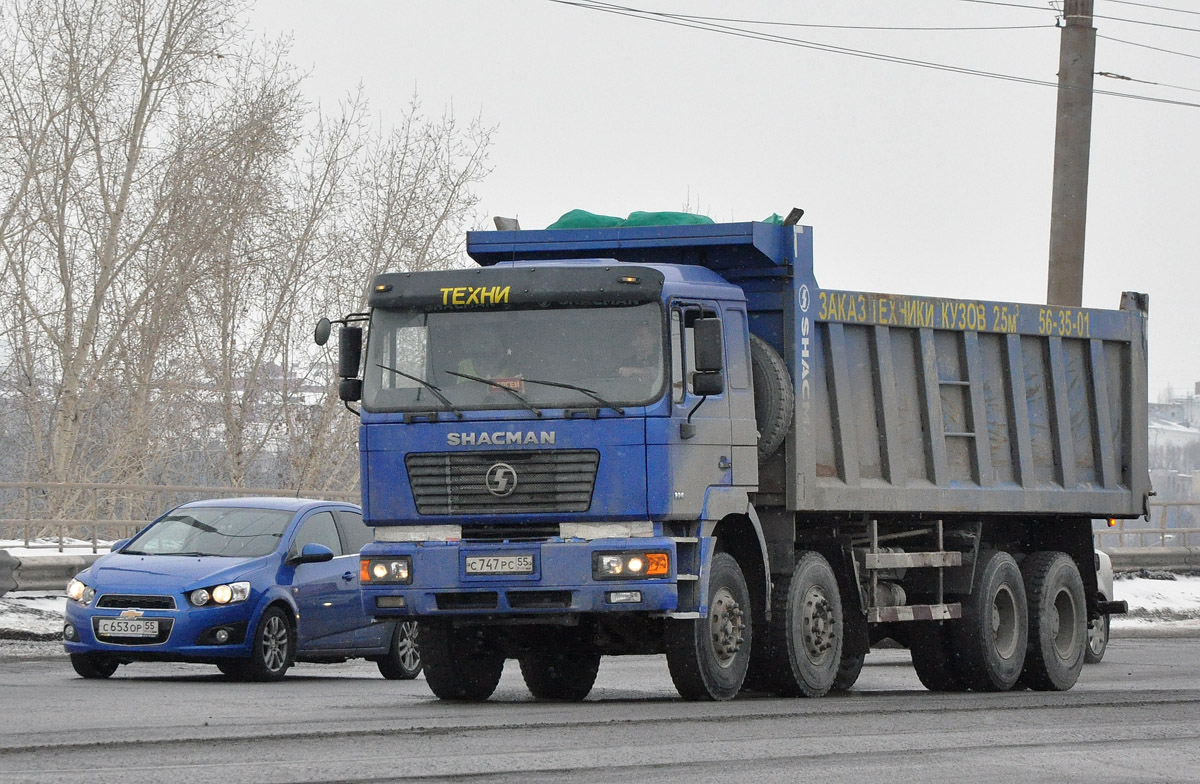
312 553
711 383
117 545
349 351
350 389
709 345
321 333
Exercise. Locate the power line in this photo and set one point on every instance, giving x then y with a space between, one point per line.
768 22
1124 78
636 13
1147 24
1154 7
1147 46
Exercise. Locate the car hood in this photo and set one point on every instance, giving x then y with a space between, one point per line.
167 572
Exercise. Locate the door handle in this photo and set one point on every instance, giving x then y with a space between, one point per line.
348 576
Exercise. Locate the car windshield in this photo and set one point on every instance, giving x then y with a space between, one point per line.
233 532
581 357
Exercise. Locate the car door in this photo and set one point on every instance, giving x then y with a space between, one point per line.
326 594
355 534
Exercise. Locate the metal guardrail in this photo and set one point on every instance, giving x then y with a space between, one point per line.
106 512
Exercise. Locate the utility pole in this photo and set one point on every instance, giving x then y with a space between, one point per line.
1072 143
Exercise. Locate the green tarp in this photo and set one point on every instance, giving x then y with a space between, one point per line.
582 219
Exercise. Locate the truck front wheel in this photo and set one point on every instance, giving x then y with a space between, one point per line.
1057 622
708 657
458 663
561 675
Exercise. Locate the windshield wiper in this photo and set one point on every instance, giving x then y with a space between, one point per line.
498 385
437 392
188 554
585 391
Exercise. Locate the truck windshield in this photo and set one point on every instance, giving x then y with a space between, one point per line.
442 361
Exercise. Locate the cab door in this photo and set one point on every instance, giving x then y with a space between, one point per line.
691 451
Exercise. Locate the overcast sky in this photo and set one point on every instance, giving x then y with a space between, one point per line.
915 180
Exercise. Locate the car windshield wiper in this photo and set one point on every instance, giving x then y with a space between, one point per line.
585 391
437 392
134 552
498 385
189 554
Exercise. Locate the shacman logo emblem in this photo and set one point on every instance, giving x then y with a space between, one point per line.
501 480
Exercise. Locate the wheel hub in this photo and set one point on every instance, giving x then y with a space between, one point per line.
816 625
727 624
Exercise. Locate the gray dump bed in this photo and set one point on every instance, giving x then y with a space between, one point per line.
917 404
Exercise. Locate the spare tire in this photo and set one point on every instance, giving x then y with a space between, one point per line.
774 400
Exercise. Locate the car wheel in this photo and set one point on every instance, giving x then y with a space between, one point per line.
1097 640
274 647
403 659
93 665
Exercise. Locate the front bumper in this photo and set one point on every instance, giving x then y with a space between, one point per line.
186 633
561 580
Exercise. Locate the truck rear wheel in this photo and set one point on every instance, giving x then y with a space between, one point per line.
806 629
991 637
708 657
458 664
1057 622
561 675
933 657
774 399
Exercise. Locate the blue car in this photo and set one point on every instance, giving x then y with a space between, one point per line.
251 585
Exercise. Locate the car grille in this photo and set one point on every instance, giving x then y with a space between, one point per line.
545 481
122 601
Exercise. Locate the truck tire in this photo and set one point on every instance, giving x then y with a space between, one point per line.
991 637
1057 622
565 676
848 671
774 399
806 629
708 657
933 657
458 664
1097 639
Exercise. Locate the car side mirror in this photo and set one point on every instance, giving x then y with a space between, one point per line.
117 545
311 553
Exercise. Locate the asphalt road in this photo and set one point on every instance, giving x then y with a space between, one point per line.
1133 718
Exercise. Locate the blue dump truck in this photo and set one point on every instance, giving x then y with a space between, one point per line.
670 439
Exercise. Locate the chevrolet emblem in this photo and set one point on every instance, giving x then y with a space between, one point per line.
131 614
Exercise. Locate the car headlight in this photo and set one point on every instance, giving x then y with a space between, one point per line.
225 593
80 592
633 565
380 571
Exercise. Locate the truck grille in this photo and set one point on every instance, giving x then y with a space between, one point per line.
503 482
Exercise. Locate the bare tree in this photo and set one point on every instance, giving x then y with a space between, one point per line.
172 220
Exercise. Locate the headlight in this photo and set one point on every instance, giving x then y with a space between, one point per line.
630 566
225 593
80 592
386 570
